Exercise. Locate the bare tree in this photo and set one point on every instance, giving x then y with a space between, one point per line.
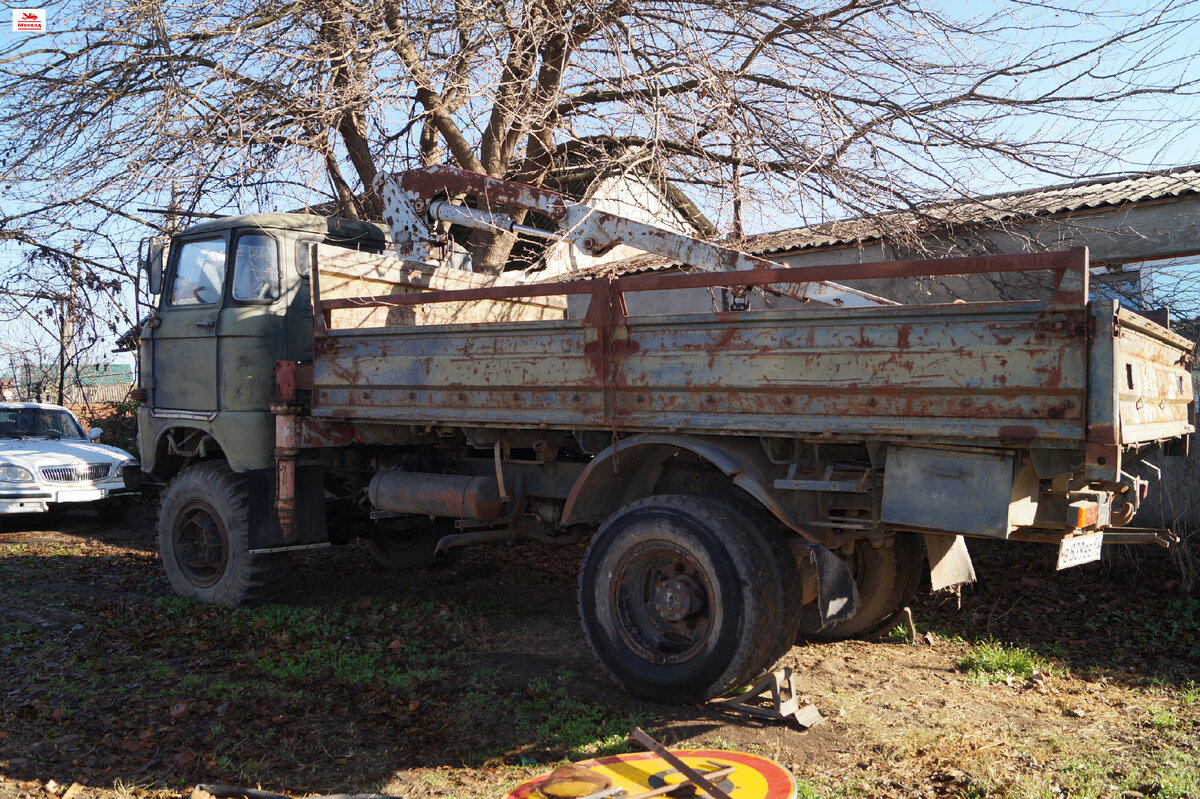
763 106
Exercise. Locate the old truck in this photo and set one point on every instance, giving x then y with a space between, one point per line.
745 476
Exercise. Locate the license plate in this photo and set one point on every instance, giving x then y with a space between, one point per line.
1081 549
81 495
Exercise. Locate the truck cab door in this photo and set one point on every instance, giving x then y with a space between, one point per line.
184 344
251 329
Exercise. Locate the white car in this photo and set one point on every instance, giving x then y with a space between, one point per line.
48 462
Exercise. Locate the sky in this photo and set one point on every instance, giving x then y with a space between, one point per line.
1177 146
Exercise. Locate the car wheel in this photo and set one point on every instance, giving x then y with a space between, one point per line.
203 539
681 599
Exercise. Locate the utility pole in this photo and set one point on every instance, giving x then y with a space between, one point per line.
66 341
172 221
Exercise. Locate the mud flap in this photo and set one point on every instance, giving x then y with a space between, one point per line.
837 594
949 562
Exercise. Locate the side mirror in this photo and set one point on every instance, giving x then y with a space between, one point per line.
150 260
95 433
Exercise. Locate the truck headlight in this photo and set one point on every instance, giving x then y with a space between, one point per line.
15 474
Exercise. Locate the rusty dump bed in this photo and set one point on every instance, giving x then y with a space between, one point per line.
1060 372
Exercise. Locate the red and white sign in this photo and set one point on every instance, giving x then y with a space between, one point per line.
639 773
29 20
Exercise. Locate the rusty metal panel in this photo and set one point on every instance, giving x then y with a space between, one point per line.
1103 450
502 373
1010 375
953 371
1154 381
996 374
938 489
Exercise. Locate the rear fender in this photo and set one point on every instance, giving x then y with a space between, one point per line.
629 470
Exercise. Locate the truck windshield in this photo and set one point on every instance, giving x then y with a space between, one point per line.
38 422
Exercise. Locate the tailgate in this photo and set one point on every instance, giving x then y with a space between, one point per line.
1140 383
1154 380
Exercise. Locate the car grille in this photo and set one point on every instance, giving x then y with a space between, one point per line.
76 474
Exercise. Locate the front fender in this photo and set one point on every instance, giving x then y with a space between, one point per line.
629 469
246 439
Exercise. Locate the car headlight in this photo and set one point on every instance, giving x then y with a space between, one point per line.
15 474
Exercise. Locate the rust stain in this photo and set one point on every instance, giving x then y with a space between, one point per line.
316 433
1104 435
1018 433
725 336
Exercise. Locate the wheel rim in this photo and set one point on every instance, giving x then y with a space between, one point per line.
663 602
201 545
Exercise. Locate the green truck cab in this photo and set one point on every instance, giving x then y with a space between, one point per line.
233 299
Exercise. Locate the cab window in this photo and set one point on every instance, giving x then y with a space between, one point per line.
256 269
199 273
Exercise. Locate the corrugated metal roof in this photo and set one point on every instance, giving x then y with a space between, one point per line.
1094 193
641 263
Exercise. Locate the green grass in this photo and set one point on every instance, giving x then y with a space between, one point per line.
549 714
1175 775
1189 695
548 711
286 659
1151 629
806 789
1163 720
992 661
401 646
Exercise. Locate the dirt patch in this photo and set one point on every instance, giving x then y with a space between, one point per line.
465 680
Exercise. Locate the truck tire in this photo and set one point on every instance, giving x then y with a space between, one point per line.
203 539
887 579
682 600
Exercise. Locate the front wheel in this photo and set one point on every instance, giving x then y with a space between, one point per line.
204 535
681 599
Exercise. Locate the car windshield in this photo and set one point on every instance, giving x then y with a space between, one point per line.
29 422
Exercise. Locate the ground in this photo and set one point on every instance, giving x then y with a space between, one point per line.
465 680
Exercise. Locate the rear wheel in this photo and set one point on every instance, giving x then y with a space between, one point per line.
887 578
203 539
681 599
